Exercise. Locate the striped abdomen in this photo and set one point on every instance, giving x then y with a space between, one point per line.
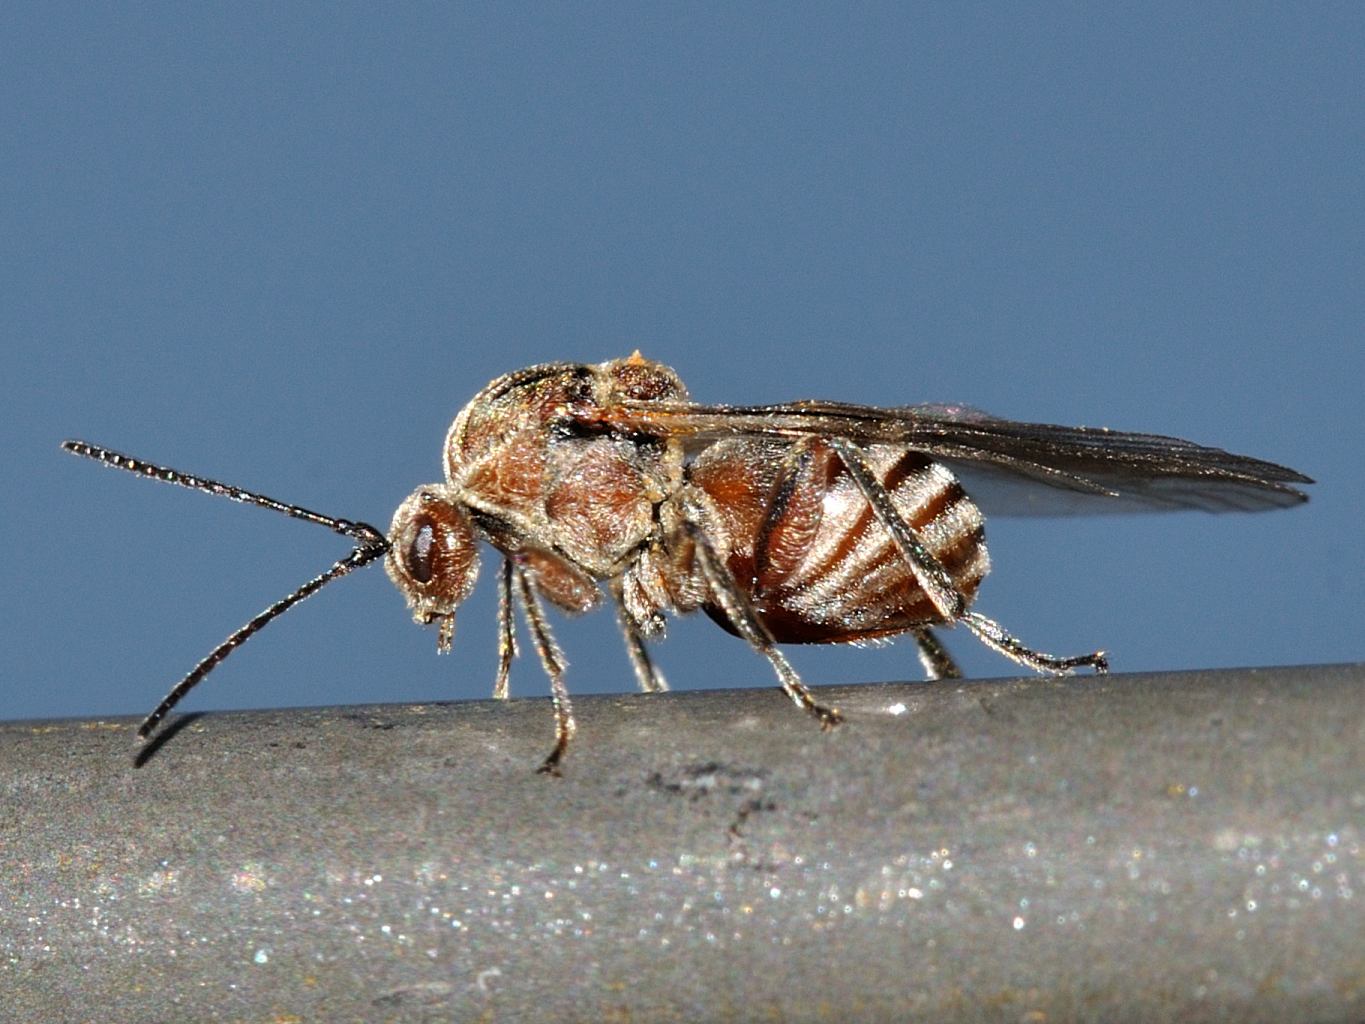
805 546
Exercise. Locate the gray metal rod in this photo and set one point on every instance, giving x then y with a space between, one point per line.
1180 846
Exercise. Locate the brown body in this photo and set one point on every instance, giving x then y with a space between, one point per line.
573 502
813 522
809 522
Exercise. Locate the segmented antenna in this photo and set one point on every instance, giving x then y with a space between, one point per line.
371 545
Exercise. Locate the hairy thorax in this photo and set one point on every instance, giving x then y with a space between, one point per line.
537 479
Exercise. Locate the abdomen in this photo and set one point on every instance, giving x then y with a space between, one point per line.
804 545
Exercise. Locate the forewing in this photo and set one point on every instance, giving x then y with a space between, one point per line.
1010 468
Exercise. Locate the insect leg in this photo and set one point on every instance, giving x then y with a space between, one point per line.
994 636
938 583
929 572
937 662
647 674
507 630
795 463
727 593
553 660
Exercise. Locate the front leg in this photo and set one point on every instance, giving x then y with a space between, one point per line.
507 630
552 658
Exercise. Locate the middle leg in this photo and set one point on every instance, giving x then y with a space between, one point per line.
740 613
647 674
937 662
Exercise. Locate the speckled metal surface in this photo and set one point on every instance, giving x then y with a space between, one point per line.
1187 846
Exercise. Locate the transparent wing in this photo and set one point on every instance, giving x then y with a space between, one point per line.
1009 468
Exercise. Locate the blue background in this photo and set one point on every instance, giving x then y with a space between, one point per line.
282 247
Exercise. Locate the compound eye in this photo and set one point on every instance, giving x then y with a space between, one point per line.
419 553
433 555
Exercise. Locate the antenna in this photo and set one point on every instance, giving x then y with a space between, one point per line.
371 545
